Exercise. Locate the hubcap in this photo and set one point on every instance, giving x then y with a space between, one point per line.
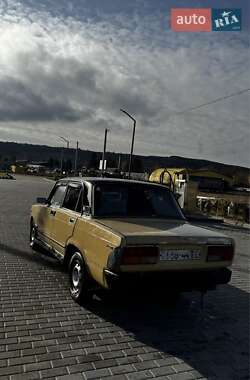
76 275
32 235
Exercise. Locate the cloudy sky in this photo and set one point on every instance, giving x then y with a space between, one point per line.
68 66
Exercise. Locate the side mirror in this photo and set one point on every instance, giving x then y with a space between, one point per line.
42 201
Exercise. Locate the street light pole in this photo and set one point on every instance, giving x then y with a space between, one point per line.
132 142
104 149
67 141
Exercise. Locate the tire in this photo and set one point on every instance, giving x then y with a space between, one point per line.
79 280
33 234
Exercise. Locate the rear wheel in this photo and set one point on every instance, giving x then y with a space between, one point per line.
79 279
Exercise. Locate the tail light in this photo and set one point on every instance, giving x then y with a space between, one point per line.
139 255
220 253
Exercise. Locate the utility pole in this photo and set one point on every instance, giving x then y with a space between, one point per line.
119 162
76 157
61 166
104 149
132 142
67 142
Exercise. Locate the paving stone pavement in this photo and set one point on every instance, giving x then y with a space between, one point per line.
45 335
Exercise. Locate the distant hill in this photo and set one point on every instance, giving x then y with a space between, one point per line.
10 152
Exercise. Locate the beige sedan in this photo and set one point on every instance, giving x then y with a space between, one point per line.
127 235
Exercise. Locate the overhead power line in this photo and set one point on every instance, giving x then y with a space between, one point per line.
213 101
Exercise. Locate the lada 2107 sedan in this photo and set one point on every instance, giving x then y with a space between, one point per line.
127 234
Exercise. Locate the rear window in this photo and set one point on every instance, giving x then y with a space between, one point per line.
135 200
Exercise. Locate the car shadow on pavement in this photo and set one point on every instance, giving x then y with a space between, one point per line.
41 257
213 341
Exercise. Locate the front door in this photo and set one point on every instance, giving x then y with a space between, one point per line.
44 223
48 212
66 217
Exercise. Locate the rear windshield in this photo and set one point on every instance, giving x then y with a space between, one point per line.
135 200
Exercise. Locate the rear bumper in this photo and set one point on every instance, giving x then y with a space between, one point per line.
180 281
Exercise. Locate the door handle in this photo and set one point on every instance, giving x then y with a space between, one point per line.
53 212
72 220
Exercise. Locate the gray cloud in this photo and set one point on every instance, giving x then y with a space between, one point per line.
59 76
20 103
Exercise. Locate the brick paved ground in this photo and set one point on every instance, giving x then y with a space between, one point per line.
44 334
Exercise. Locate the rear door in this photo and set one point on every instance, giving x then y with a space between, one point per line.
66 217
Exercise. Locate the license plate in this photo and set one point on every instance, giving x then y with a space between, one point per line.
180 254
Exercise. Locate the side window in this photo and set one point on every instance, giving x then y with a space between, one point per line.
58 195
71 198
83 200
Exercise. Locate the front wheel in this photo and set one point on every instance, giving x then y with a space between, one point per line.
79 279
33 235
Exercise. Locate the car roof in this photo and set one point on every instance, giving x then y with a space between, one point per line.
94 180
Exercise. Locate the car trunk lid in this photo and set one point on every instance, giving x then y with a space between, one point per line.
160 231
